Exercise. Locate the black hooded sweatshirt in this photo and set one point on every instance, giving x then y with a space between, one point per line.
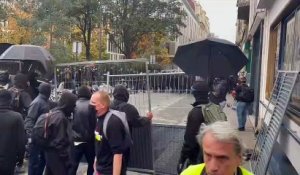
39 106
59 127
121 97
12 134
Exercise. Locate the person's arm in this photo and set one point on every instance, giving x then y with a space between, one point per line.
134 118
31 118
117 164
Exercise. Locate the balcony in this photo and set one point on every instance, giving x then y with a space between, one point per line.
243 9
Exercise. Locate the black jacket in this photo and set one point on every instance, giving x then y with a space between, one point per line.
133 117
191 149
39 106
60 134
12 137
84 121
121 97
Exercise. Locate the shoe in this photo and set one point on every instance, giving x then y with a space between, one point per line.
20 169
241 129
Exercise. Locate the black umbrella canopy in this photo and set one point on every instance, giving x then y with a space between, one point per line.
211 57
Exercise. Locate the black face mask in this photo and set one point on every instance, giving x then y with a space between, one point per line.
69 110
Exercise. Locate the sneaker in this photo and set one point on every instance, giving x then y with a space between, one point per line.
241 129
20 169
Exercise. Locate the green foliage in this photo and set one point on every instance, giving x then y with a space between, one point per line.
129 20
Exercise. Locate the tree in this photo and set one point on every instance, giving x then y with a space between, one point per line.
128 21
85 15
3 12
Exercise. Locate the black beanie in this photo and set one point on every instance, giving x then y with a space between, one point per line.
121 93
20 81
84 92
67 99
45 89
200 91
5 97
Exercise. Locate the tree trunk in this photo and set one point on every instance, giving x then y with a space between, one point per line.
89 31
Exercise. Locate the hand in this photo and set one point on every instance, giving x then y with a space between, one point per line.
149 115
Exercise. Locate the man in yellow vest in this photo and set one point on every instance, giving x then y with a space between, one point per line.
222 150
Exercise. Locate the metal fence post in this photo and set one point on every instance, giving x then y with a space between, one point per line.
107 82
148 86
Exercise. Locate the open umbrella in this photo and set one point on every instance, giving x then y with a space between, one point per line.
211 57
34 57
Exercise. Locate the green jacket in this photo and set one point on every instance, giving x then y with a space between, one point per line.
198 170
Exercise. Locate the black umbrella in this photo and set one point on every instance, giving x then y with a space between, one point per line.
211 57
34 58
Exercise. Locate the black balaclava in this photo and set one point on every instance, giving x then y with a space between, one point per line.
20 81
200 91
67 103
5 98
84 92
121 93
45 89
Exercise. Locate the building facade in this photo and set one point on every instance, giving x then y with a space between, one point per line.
271 37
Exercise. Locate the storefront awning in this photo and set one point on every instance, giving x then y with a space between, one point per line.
256 22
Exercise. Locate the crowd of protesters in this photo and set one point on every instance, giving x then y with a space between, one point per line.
58 135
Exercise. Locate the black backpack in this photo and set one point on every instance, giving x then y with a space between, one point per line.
246 94
40 132
16 105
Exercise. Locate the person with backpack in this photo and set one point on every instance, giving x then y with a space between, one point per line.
53 133
12 135
83 126
203 112
40 105
21 101
244 96
120 103
112 136
191 153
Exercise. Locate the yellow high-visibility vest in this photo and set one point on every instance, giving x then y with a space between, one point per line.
197 170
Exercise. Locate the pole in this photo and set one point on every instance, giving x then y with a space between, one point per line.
107 82
148 86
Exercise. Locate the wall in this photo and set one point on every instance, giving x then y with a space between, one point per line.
287 143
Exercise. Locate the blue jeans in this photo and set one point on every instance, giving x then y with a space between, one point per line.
36 160
242 112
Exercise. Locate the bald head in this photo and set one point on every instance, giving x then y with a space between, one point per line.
100 101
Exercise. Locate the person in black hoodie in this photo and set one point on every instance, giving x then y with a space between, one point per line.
60 136
84 123
39 106
12 135
191 152
120 103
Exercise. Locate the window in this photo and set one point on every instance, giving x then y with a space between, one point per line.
273 59
291 58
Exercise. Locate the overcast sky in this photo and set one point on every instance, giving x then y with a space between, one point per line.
222 16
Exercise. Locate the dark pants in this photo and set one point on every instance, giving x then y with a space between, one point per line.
7 168
55 165
86 149
37 160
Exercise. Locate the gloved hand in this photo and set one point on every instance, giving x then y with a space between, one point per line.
182 163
